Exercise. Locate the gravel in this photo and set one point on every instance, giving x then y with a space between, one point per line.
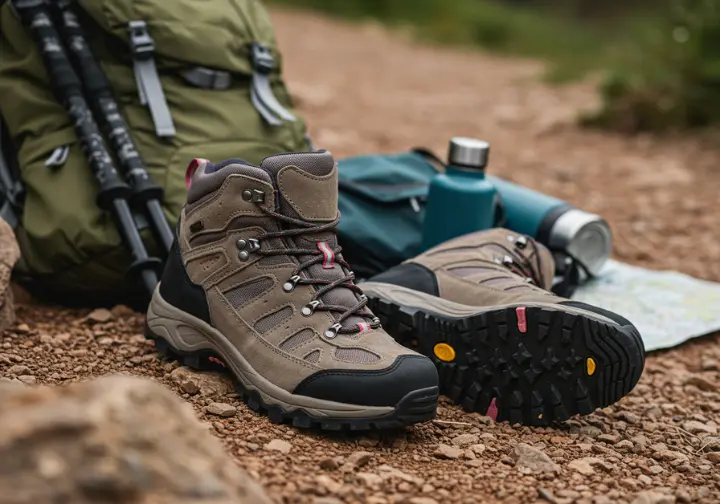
458 458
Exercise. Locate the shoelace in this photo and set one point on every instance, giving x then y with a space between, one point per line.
524 268
347 281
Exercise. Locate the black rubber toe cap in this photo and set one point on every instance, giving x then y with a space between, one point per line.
384 387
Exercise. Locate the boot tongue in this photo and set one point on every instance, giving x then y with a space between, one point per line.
308 189
307 183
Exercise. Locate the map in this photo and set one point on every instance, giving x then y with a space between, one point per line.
667 307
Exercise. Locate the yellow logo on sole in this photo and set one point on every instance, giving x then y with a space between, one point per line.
590 366
444 352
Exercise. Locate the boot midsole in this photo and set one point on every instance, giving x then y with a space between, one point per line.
428 303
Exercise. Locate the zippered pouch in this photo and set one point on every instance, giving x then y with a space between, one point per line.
382 200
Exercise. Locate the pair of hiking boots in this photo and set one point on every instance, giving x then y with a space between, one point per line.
256 284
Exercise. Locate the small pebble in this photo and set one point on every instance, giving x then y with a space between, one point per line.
465 440
695 427
100 315
447 452
221 409
279 445
18 370
329 464
359 458
702 383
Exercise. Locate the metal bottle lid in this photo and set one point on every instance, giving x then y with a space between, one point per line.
585 236
468 152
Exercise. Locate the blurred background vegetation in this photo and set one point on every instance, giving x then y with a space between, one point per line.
660 59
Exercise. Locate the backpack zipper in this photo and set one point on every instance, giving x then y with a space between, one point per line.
415 202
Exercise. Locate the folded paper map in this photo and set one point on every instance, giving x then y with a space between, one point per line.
667 307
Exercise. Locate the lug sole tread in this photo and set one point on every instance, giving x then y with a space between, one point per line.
536 377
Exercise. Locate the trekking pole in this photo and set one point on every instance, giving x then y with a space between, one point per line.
11 189
8 206
114 192
146 194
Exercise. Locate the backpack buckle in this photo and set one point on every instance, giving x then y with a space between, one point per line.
207 78
141 43
262 59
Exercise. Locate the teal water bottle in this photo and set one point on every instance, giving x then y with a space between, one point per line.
461 200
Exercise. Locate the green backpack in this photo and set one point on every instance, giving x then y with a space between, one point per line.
195 66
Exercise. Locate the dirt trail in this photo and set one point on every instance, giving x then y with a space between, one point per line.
363 90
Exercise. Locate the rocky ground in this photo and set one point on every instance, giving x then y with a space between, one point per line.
363 90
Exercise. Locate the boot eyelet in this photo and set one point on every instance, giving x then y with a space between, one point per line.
376 320
309 308
254 195
507 260
251 243
254 244
289 286
244 255
521 242
332 331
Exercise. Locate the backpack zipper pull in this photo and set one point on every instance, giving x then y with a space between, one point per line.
415 204
261 93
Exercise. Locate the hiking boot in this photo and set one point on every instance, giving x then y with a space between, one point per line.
255 283
503 345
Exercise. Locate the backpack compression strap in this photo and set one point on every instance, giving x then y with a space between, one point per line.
148 82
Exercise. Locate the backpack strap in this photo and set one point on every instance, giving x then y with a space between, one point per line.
148 82
261 93
207 78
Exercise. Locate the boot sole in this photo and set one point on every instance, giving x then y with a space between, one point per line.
529 364
194 343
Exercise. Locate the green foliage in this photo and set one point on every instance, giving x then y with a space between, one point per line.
571 47
672 77
663 56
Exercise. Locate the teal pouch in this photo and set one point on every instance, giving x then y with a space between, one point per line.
382 202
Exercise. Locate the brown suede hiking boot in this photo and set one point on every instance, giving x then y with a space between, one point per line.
503 345
255 281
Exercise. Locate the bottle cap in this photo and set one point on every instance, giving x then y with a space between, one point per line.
468 152
585 236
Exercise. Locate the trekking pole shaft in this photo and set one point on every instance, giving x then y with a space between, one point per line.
130 235
7 207
114 191
146 194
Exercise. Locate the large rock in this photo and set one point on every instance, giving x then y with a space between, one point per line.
113 440
9 255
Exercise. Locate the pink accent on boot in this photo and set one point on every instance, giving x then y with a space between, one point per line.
216 361
192 167
492 410
364 327
328 255
522 321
